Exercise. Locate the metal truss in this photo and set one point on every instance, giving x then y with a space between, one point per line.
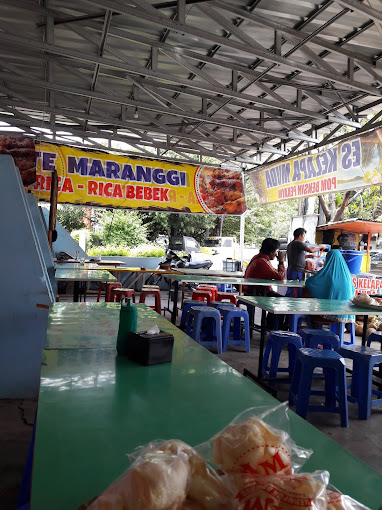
200 78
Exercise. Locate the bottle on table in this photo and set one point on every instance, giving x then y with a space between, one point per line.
127 324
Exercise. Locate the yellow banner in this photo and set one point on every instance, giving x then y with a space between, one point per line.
108 180
354 163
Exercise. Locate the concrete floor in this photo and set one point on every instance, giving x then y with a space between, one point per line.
362 438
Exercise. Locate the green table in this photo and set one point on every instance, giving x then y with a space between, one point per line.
93 325
302 306
227 280
95 407
76 266
77 275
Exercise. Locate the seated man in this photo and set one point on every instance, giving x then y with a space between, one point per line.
261 267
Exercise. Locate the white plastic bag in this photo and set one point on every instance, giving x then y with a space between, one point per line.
255 442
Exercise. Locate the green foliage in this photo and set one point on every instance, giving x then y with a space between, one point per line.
109 251
155 223
144 250
367 205
261 221
147 250
76 235
71 216
94 240
123 228
198 226
231 227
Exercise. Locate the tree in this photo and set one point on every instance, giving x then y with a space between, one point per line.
71 217
334 210
261 221
366 204
198 226
123 228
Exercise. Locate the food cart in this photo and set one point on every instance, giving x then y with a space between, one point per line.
360 234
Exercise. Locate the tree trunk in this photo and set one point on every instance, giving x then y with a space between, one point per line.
340 212
331 212
219 225
174 225
325 210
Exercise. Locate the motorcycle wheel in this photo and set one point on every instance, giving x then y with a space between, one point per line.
153 279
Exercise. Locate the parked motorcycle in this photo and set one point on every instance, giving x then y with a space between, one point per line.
174 261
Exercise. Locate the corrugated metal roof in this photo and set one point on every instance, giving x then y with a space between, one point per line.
235 80
356 225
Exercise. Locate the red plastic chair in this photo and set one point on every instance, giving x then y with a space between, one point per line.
117 294
109 288
226 296
201 295
213 288
151 292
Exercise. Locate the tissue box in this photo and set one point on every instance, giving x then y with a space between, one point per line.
150 349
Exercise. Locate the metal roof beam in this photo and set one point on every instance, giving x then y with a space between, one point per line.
27 124
362 8
168 49
130 125
9 37
258 19
140 104
333 140
266 55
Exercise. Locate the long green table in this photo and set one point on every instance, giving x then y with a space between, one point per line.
93 325
303 306
225 280
94 407
77 266
77 275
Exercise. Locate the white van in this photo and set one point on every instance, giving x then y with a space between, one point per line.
221 248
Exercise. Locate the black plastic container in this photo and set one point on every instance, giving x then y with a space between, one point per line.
231 265
150 349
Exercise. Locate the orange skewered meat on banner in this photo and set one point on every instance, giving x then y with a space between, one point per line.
220 191
22 149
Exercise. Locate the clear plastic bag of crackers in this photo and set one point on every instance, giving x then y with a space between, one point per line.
167 475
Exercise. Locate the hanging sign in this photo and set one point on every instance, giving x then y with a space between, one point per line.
108 180
22 150
354 163
368 284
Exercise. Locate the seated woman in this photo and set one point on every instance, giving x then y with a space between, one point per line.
334 281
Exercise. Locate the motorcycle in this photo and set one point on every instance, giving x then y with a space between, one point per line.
174 261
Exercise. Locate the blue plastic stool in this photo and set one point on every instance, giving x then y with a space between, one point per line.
250 309
314 337
352 335
374 337
275 343
186 306
236 315
225 287
361 391
210 319
339 329
222 306
307 360
294 321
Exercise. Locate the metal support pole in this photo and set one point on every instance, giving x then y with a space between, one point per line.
53 207
242 230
